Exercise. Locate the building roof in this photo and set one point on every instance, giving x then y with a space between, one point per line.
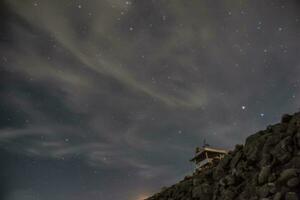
208 149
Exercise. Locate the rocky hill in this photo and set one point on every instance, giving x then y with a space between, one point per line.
267 167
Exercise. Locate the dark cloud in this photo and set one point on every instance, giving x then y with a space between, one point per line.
108 99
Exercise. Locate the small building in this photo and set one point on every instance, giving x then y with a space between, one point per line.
206 156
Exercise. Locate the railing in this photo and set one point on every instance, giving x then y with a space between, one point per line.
204 162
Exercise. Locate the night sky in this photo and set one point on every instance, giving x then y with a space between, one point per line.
107 99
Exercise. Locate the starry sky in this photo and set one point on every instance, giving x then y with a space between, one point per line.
107 99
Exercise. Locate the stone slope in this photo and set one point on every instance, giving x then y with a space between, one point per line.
267 167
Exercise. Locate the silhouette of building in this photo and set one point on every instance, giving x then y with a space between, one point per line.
206 156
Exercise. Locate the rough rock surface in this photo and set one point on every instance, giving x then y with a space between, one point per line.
267 167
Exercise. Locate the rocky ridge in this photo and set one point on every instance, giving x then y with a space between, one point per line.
267 167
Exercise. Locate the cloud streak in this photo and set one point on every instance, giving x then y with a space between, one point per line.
120 92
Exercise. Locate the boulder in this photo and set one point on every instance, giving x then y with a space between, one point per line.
291 196
286 118
293 182
264 174
288 174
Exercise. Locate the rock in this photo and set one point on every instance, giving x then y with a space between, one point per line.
286 118
292 128
293 182
272 177
287 174
254 145
230 179
297 138
277 196
286 144
272 188
229 194
236 159
264 174
218 173
202 191
283 151
295 162
196 181
266 159
253 138
291 196
263 191
239 147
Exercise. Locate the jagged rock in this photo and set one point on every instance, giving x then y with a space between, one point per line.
224 162
286 118
272 187
267 167
272 177
292 128
196 181
297 139
264 174
283 151
231 180
293 182
263 191
291 196
295 162
288 174
202 191
229 194
277 196
254 145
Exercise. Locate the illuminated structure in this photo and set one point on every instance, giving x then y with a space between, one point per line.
206 156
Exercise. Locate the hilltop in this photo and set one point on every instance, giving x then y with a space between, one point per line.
266 167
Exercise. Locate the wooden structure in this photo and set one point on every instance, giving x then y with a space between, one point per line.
206 156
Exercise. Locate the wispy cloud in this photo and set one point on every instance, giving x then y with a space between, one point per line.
131 87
